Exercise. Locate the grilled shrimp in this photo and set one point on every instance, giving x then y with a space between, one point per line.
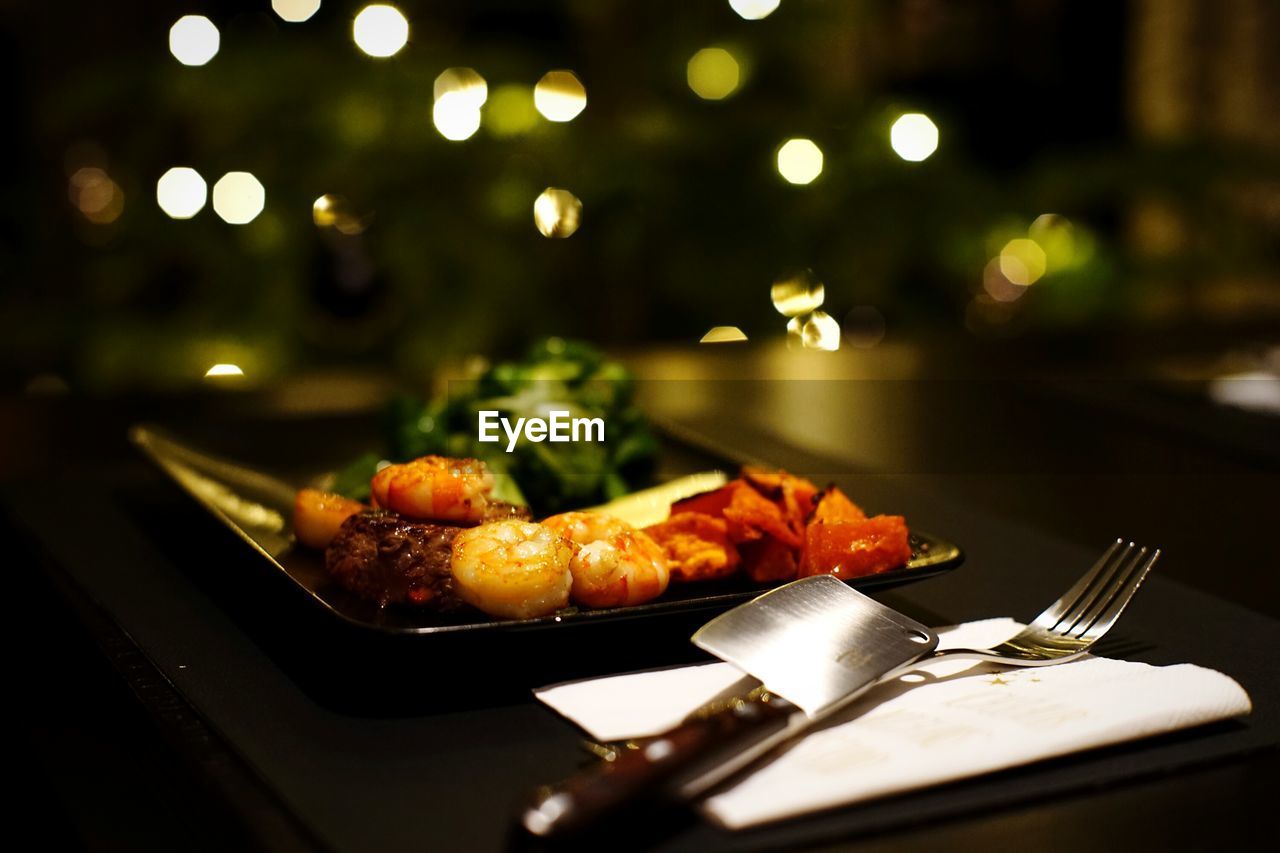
317 516
513 569
616 564
435 488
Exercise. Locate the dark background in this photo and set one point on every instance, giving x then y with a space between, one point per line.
1150 128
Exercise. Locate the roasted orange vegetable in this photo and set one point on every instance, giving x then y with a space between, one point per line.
852 549
778 526
768 561
793 495
834 505
697 545
752 515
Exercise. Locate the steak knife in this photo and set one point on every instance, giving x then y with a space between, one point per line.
809 648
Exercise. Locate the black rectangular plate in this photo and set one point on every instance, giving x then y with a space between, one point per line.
258 506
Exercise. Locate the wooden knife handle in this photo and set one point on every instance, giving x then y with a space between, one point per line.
646 775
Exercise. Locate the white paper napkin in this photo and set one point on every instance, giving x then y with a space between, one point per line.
946 721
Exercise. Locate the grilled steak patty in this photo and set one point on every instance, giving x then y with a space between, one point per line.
390 559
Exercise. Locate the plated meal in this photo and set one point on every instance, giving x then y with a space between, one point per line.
434 530
434 535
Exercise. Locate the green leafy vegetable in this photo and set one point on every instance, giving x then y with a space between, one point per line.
550 477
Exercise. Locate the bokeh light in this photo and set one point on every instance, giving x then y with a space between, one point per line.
223 370
380 30
754 10
334 211
560 96
194 40
463 81
510 110
799 161
324 211
998 286
914 137
181 192
713 73
459 93
821 332
795 330
864 326
557 212
796 294
1022 261
295 11
98 198
1066 247
238 198
723 335
456 115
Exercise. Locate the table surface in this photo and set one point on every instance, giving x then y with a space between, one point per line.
161 707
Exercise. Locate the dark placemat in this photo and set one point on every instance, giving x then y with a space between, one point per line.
400 780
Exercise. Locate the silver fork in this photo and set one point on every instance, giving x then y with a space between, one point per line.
1070 626
745 722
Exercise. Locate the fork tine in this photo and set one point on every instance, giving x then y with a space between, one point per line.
1102 624
1106 593
1082 593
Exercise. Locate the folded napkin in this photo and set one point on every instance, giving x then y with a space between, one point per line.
945 721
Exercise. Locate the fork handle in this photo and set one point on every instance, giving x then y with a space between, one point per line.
656 770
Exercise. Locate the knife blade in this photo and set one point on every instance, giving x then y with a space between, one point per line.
808 649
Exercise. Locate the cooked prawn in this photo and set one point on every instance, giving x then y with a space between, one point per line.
317 516
513 569
616 564
435 487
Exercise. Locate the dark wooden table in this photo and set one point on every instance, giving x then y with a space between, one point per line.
160 709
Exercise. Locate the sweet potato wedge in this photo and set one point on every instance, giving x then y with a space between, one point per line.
834 505
698 546
751 515
767 560
855 548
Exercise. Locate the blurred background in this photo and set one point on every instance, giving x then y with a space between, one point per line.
258 190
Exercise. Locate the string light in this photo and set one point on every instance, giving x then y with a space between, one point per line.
914 137
238 198
557 212
459 94
98 198
222 370
295 11
455 117
1022 261
713 73
799 161
560 96
754 10
193 40
1065 246
181 192
723 335
380 30
997 285
821 332
463 81
333 211
797 294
